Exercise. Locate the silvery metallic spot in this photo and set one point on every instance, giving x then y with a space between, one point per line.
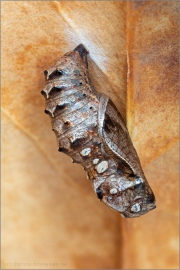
85 152
102 166
113 191
95 161
136 208
139 181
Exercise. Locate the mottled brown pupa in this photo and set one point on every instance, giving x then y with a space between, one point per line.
92 132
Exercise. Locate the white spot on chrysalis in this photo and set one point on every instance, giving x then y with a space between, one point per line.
113 190
138 181
95 161
136 207
122 216
102 167
85 152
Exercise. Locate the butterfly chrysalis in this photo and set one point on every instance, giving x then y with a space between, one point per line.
92 132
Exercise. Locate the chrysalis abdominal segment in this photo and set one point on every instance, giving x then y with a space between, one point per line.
92 132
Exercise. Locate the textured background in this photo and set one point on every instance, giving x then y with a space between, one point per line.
50 215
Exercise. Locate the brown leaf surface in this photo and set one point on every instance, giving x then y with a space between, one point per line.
152 113
152 44
50 212
50 216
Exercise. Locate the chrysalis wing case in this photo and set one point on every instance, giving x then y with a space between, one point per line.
92 132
